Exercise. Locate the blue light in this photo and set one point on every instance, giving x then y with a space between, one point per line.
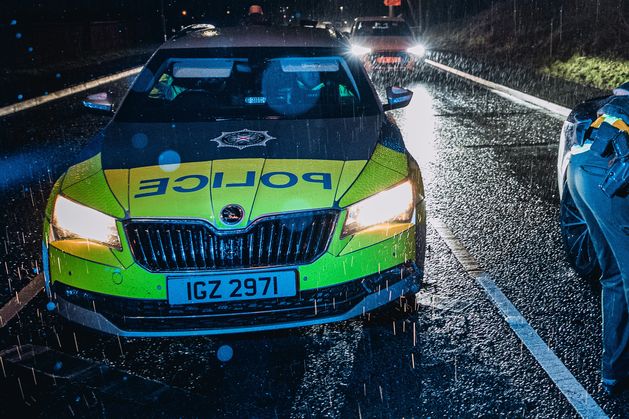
169 160
139 140
225 353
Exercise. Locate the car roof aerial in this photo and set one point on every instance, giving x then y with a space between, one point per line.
207 36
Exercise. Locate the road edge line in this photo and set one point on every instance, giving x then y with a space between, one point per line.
582 402
68 91
556 110
21 300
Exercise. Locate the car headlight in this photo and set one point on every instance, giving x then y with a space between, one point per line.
392 206
71 220
360 50
418 50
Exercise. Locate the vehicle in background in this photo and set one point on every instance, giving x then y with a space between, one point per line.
385 43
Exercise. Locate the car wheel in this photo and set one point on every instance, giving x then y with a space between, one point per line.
576 238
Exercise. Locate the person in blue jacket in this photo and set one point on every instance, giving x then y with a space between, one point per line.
598 179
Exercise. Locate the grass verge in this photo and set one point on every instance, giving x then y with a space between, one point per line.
603 73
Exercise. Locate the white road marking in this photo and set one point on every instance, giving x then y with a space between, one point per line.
574 392
31 103
21 299
555 110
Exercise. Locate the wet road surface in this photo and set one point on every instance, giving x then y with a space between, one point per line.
489 168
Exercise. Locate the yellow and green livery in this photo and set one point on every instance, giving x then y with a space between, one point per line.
223 226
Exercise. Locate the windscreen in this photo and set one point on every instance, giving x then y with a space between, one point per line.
382 28
248 84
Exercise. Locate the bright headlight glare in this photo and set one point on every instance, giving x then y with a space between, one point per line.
360 50
71 220
391 206
418 50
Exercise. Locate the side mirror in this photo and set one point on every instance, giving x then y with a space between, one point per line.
397 97
100 102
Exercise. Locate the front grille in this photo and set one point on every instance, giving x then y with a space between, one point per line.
192 245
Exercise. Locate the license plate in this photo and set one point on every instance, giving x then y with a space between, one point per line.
231 287
389 60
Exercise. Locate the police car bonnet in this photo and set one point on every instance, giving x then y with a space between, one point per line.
129 145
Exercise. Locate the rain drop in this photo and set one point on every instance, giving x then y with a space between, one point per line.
169 161
225 353
139 140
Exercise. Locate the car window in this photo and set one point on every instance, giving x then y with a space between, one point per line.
381 28
250 85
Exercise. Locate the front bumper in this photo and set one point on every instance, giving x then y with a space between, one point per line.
155 318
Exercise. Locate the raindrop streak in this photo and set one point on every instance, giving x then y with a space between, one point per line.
19 382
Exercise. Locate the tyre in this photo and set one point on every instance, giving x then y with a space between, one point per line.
576 238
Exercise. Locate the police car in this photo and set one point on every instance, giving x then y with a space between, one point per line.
250 180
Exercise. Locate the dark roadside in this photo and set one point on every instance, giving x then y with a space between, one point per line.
25 82
28 159
564 52
37 145
520 77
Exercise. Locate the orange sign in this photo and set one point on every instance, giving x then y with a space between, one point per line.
392 2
